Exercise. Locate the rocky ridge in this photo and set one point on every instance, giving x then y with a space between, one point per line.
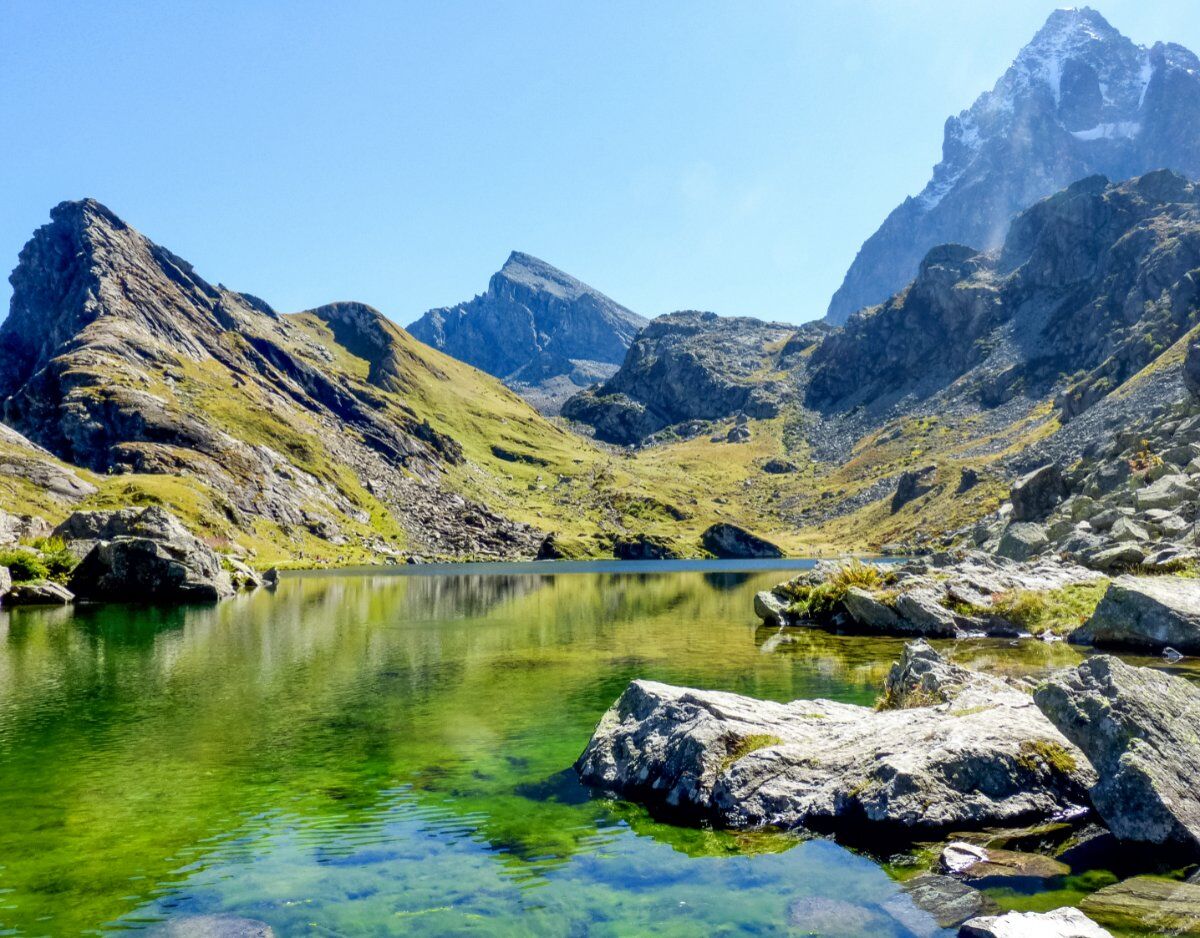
687 369
541 331
1080 99
118 357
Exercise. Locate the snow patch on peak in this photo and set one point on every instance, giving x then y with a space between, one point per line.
1119 130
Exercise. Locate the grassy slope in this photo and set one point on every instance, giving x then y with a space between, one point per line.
584 492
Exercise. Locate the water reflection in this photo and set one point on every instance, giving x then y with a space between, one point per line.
362 754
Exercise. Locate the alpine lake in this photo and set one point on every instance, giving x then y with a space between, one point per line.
377 753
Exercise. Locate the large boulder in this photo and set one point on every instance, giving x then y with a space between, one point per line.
1168 493
730 541
1137 727
644 547
911 485
17 528
1022 540
949 749
1147 613
1061 923
1036 494
145 555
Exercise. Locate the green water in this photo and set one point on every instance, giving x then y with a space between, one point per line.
378 754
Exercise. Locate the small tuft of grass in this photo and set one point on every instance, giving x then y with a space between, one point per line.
897 698
1037 754
746 745
821 599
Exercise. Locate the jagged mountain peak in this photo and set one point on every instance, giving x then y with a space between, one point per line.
543 331
1079 99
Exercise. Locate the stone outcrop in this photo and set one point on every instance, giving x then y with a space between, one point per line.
1137 727
982 756
944 596
643 547
729 541
1150 613
693 368
542 331
1079 99
145 555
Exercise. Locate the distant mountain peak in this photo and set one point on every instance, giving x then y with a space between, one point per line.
543 331
1079 99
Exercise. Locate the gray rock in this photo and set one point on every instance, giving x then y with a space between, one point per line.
38 593
871 614
1114 557
1137 727
1191 367
912 485
1022 540
1126 529
779 466
969 762
5 582
1150 905
1061 923
1036 494
158 560
728 540
1169 492
771 607
241 576
925 615
16 528
1145 613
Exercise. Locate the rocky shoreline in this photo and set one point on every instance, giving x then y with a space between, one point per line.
1004 782
123 555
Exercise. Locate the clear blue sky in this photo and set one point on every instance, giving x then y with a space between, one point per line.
726 156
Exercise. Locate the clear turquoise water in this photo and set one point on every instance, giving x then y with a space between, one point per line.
367 754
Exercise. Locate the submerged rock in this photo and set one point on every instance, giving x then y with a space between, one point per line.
949 901
1146 612
1144 903
1061 923
988 867
214 926
155 560
730 541
983 757
1137 727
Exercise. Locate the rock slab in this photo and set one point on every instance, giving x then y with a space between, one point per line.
1137 727
1061 923
984 756
1146 612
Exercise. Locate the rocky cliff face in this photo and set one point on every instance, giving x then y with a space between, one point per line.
540 330
1090 286
1080 99
118 357
695 367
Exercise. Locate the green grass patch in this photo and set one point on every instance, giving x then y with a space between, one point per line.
746 745
1041 753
